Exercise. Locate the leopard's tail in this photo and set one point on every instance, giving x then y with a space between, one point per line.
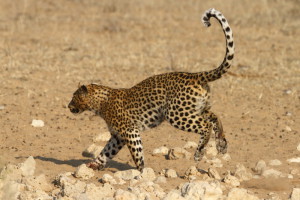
225 65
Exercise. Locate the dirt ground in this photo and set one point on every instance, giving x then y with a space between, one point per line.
48 47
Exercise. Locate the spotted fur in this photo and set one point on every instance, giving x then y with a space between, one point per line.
180 98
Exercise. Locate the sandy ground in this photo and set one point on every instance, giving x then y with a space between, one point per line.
48 47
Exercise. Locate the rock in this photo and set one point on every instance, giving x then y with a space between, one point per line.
161 179
28 167
213 173
295 194
298 147
94 192
211 148
240 193
275 162
36 194
178 153
92 151
260 167
231 180
174 195
170 173
215 162
160 151
11 173
103 137
127 174
147 174
37 183
295 172
294 160
191 171
2 107
37 123
84 172
124 195
64 178
148 190
242 173
106 178
271 173
10 190
226 157
201 190
73 190
190 145
288 129
290 176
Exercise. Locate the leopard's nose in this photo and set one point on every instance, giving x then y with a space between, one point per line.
74 110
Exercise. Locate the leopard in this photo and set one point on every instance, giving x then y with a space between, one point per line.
180 98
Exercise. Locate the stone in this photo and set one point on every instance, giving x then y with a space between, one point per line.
171 173
95 192
148 190
215 162
124 195
106 178
295 194
191 171
84 172
103 137
174 195
242 173
202 190
213 173
161 179
147 174
11 173
260 167
160 151
275 162
178 153
211 149
37 183
64 178
294 160
127 174
271 173
10 190
73 190
28 167
190 145
298 147
240 193
231 180
37 123
92 151
295 171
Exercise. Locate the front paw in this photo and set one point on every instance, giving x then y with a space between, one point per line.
94 165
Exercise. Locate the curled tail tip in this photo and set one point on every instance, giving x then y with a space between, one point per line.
206 16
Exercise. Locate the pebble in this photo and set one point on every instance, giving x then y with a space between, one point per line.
169 173
231 180
37 123
298 147
190 145
2 107
271 173
84 172
160 151
260 167
242 173
294 160
275 162
178 153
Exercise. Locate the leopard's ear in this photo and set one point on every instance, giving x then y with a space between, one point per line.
84 88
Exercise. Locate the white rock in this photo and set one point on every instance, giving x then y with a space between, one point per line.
287 128
160 151
11 173
103 137
10 190
290 176
240 193
271 173
37 123
37 183
92 151
298 147
275 162
295 194
106 178
178 153
171 173
191 171
28 167
226 157
294 160
73 190
174 195
242 173
213 173
211 148
2 107
127 174
147 174
231 180
84 172
161 179
124 195
295 171
260 167
190 145
94 192
201 190
148 189
64 178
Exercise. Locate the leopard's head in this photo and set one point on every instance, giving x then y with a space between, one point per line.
91 97
80 100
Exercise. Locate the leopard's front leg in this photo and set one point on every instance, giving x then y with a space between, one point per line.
112 147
